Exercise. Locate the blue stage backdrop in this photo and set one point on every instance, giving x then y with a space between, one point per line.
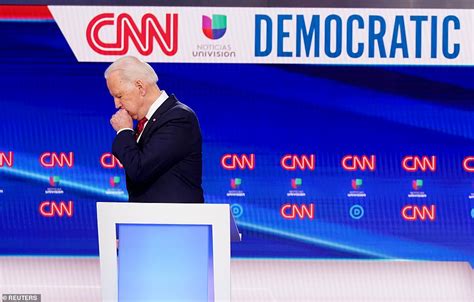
316 161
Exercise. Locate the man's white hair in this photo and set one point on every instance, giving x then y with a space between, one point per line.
133 69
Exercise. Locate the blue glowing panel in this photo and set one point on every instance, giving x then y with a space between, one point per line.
147 251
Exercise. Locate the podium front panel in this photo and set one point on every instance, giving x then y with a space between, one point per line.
182 251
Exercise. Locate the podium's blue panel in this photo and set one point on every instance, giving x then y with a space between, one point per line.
163 262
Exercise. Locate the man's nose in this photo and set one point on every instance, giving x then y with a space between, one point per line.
118 105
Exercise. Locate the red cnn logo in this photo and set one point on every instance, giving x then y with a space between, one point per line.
291 162
291 211
415 163
108 161
52 159
126 30
355 162
234 161
413 212
468 164
6 158
53 208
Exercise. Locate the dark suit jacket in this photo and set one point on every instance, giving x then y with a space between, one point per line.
166 164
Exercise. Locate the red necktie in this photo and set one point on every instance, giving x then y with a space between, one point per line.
140 126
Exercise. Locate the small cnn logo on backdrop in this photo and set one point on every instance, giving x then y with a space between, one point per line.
108 161
419 213
292 211
358 163
51 209
292 162
419 163
238 161
55 159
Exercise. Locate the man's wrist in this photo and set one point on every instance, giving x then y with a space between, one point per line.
124 129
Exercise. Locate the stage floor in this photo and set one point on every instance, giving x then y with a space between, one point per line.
78 279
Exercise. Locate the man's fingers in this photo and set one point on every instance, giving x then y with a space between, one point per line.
123 113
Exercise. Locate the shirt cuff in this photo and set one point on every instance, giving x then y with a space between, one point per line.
124 129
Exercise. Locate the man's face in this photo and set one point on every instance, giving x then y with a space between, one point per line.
126 94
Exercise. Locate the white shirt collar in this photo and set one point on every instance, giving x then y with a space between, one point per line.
159 101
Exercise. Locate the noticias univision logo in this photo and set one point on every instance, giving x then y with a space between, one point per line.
235 183
114 181
235 190
54 182
215 27
296 184
417 185
356 184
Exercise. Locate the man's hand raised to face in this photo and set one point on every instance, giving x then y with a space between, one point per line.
121 119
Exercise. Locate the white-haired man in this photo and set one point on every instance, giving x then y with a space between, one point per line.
162 156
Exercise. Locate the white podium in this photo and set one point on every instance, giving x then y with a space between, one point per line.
167 252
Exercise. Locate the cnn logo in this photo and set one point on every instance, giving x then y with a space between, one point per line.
54 159
236 161
109 161
292 211
292 162
356 162
415 212
110 34
56 209
415 163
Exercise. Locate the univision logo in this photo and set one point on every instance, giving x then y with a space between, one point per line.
114 189
54 185
356 183
235 190
296 183
54 181
235 183
417 184
114 181
214 28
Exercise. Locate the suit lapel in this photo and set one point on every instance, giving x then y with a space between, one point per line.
169 103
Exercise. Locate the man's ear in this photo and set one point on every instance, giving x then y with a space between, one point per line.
139 84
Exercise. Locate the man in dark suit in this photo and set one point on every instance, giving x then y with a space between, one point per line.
162 156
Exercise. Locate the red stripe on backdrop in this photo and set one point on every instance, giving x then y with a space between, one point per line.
25 12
